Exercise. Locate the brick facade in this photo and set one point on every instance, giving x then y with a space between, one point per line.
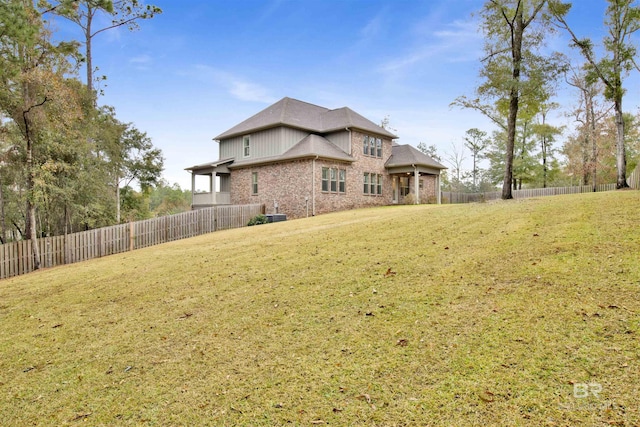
293 186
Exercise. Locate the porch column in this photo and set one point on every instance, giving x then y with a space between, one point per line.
193 187
212 187
438 192
416 185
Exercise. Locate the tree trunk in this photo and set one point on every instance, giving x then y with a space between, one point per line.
87 44
516 57
621 157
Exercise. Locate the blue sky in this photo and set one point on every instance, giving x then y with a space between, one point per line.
201 67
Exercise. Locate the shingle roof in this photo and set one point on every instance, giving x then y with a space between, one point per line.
302 115
407 155
315 145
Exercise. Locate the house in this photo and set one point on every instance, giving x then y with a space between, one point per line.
301 159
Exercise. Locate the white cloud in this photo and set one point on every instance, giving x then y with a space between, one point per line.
459 41
237 86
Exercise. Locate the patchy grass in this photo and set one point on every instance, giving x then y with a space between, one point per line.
484 314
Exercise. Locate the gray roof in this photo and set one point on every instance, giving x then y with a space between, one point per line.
315 145
302 115
407 155
209 165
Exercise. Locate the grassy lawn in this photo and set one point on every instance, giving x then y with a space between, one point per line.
497 314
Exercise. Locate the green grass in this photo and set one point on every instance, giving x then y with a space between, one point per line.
459 315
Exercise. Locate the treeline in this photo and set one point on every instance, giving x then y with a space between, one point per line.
520 77
66 163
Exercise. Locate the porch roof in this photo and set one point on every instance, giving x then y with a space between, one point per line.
406 156
211 166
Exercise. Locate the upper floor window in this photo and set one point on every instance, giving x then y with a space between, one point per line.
246 145
372 146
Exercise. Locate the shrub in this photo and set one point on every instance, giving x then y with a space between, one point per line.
409 199
257 220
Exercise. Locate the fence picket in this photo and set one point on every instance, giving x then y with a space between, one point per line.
17 257
452 197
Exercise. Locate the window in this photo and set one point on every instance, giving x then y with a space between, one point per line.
254 183
372 146
246 145
334 180
372 184
325 179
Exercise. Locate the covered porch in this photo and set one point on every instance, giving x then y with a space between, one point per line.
413 173
210 184
411 185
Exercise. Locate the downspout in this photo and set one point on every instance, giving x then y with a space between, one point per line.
350 147
416 184
313 186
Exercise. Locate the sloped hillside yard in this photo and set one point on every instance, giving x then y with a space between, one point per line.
504 313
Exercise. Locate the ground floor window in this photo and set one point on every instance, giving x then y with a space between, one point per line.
254 183
372 184
334 180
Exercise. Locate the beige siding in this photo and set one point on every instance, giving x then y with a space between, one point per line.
266 143
341 139
231 148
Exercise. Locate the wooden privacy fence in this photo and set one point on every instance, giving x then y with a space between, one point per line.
17 257
451 197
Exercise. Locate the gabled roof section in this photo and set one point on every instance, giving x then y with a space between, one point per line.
287 111
315 145
345 117
302 115
407 155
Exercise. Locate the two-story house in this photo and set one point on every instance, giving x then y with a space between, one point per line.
301 159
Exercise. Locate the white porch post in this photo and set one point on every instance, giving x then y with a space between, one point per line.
416 184
438 190
212 187
193 187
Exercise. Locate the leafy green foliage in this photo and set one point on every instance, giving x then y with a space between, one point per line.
257 220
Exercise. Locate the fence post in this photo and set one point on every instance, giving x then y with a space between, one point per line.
132 236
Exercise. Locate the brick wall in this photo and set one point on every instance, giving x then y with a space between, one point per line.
290 185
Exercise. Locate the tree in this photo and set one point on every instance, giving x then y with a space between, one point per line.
456 158
129 155
514 30
476 141
430 150
123 13
546 134
34 95
582 149
622 20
